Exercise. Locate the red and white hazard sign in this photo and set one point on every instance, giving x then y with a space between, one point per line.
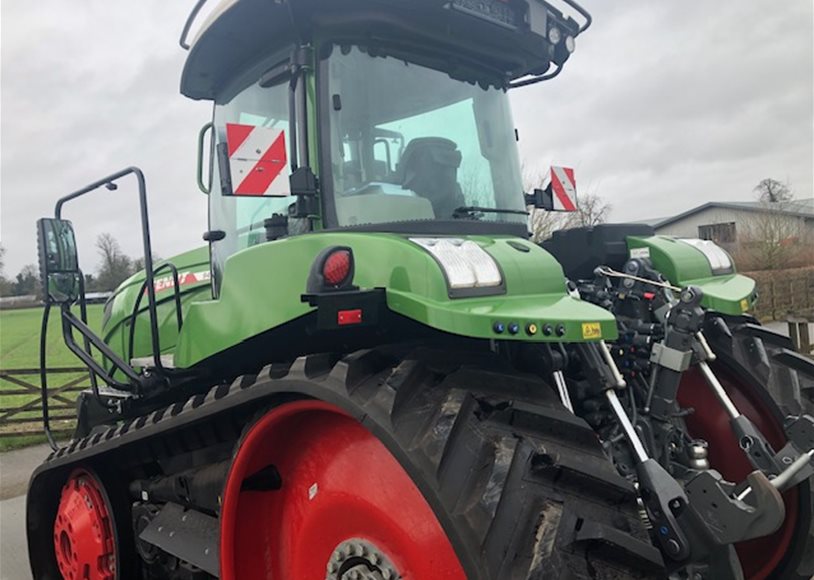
564 189
257 160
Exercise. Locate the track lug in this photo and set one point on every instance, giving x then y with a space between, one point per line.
800 431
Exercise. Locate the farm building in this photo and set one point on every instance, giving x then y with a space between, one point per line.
733 223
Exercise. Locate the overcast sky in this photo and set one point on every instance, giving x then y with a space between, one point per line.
663 106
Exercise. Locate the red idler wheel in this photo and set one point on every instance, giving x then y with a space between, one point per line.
345 508
84 542
759 557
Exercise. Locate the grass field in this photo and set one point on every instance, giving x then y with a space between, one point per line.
20 338
19 349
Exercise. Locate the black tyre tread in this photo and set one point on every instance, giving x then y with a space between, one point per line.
512 475
763 356
520 485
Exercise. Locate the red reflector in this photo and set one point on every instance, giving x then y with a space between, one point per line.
336 268
344 317
649 295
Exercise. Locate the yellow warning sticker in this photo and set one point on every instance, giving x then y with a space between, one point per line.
591 330
744 304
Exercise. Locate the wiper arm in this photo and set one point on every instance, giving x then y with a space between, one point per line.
471 211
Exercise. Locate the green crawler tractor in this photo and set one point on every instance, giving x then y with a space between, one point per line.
371 372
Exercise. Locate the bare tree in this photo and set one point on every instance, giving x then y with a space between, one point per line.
27 281
773 191
6 285
138 263
591 210
772 239
116 266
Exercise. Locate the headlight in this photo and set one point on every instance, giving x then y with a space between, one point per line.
464 262
719 260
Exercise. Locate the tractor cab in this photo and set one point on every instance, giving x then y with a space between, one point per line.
375 116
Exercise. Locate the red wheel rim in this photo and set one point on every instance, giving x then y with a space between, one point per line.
759 557
338 483
83 531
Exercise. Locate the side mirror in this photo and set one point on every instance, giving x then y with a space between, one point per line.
559 195
59 261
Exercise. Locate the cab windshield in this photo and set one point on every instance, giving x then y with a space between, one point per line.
411 143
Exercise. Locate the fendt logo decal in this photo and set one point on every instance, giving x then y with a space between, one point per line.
564 187
257 160
184 279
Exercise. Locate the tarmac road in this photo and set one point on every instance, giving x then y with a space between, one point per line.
15 470
13 549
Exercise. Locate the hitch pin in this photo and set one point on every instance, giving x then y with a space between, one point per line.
779 482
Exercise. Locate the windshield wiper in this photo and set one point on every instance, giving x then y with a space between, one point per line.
472 211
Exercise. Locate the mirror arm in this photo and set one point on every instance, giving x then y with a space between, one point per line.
46 422
83 315
540 198
292 122
71 322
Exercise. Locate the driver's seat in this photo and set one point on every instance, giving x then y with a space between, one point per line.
429 167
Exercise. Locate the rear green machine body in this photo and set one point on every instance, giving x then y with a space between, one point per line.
535 294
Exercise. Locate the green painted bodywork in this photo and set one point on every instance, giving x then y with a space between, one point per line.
262 286
684 265
193 271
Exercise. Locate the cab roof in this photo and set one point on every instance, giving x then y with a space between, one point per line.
493 41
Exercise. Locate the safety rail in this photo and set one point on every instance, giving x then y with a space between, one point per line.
71 323
179 316
188 24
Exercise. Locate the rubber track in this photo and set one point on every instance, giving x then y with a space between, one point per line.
768 360
520 485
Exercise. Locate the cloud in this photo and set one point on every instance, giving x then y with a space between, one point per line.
86 91
663 106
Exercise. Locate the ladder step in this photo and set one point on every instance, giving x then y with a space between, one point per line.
147 361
